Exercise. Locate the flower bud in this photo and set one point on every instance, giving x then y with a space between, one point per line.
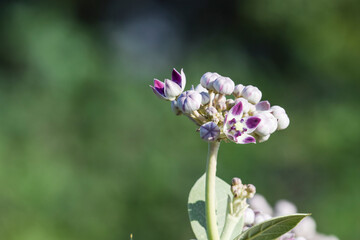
224 85
259 203
175 108
207 80
249 216
209 131
283 121
171 89
287 236
277 111
261 217
211 111
199 88
267 125
246 105
262 106
306 228
236 181
237 90
261 139
189 101
250 190
252 94
205 98
281 116
283 208
300 238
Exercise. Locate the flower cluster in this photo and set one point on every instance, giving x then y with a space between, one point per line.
241 193
260 211
223 110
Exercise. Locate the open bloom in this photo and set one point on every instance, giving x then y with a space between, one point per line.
170 89
238 128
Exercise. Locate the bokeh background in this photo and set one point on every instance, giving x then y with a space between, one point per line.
88 152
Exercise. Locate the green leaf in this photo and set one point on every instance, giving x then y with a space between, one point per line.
272 228
196 207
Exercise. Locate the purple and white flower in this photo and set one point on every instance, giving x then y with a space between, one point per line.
209 131
189 101
238 128
170 89
267 125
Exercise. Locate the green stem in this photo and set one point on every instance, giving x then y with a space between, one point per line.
230 225
211 223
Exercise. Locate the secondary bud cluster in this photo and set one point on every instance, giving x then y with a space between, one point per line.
260 210
223 110
240 190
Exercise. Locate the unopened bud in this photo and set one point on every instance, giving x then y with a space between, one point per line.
199 88
277 111
171 89
287 236
251 190
211 111
237 90
205 98
175 108
249 216
209 131
306 228
283 121
189 101
283 208
261 217
224 85
261 139
267 125
281 116
236 181
252 94
262 106
207 80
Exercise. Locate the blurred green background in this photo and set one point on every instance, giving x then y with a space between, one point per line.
88 152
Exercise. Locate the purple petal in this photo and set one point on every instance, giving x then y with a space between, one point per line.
237 109
252 122
249 139
263 106
158 88
176 77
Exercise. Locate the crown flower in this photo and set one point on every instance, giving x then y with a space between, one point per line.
170 89
223 110
229 112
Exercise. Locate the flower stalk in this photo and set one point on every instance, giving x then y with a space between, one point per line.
210 196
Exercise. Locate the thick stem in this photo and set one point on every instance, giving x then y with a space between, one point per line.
230 223
210 196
